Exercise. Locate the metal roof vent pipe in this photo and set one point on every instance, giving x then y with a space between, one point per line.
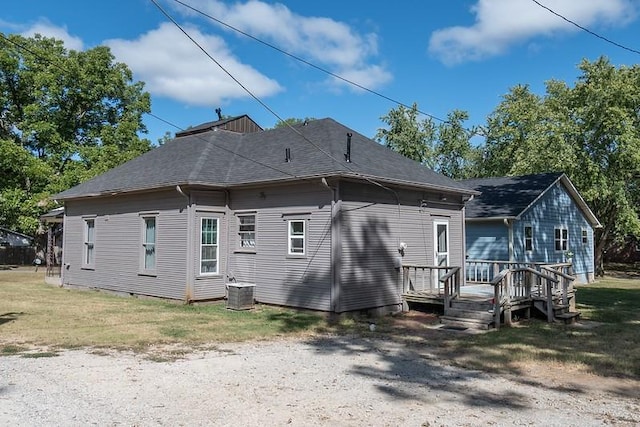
347 156
287 155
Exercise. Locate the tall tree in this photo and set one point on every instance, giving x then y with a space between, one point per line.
591 131
455 156
408 135
67 115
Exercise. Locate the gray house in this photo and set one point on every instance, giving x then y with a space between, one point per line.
533 218
312 216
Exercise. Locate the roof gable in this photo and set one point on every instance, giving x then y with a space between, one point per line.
510 197
227 159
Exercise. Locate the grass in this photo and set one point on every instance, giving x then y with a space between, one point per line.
605 342
35 314
50 318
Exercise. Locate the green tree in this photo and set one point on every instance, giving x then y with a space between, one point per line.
408 135
455 156
66 116
591 131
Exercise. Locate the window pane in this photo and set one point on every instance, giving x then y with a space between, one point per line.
150 230
89 255
442 237
90 229
564 233
297 228
528 232
209 266
557 234
297 245
208 252
150 257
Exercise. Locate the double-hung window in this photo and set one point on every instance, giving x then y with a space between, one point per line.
561 238
585 236
528 238
88 256
148 243
208 246
296 236
247 231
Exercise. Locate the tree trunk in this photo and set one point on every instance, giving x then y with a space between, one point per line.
601 242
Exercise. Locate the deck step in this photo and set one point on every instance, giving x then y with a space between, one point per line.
484 315
472 304
457 322
568 318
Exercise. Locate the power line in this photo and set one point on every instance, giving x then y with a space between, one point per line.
317 147
585 29
310 64
62 68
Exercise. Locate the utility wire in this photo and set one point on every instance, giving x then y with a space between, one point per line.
269 109
585 29
62 68
310 64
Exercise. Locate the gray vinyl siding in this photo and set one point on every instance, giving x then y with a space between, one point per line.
118 244
373 225
487 240
282 279
554 209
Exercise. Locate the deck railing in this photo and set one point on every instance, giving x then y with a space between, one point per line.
424 278
479 271
513 284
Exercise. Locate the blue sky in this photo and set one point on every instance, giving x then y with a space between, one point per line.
443 55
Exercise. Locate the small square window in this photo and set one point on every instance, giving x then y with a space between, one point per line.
247 231
561 238
296 237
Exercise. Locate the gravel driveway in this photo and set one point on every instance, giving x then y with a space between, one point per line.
324 382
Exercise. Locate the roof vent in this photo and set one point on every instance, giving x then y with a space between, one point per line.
347 156
287 155
219 113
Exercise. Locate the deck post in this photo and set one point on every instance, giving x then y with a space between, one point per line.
549 301
507 308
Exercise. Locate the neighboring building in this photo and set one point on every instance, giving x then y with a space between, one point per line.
532 218
9 238
315 217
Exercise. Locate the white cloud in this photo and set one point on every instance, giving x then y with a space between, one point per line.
173 66
47 29
503 23
323 41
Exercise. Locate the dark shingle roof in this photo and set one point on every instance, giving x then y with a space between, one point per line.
228 159
506 196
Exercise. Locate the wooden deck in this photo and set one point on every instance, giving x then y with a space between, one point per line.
512 292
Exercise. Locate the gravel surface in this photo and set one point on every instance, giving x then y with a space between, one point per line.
324 382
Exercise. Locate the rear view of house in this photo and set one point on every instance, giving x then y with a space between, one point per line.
316 216
530 219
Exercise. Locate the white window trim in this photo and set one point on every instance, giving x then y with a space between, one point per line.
584 236
291 236
531 238
217 245
143 244
564 247
89 264
240 233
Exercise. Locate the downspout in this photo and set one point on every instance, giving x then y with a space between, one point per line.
336 245
188 293
227 251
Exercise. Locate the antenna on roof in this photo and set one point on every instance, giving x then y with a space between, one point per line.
219 113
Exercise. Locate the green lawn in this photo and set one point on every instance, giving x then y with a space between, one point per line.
606 341
35 314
